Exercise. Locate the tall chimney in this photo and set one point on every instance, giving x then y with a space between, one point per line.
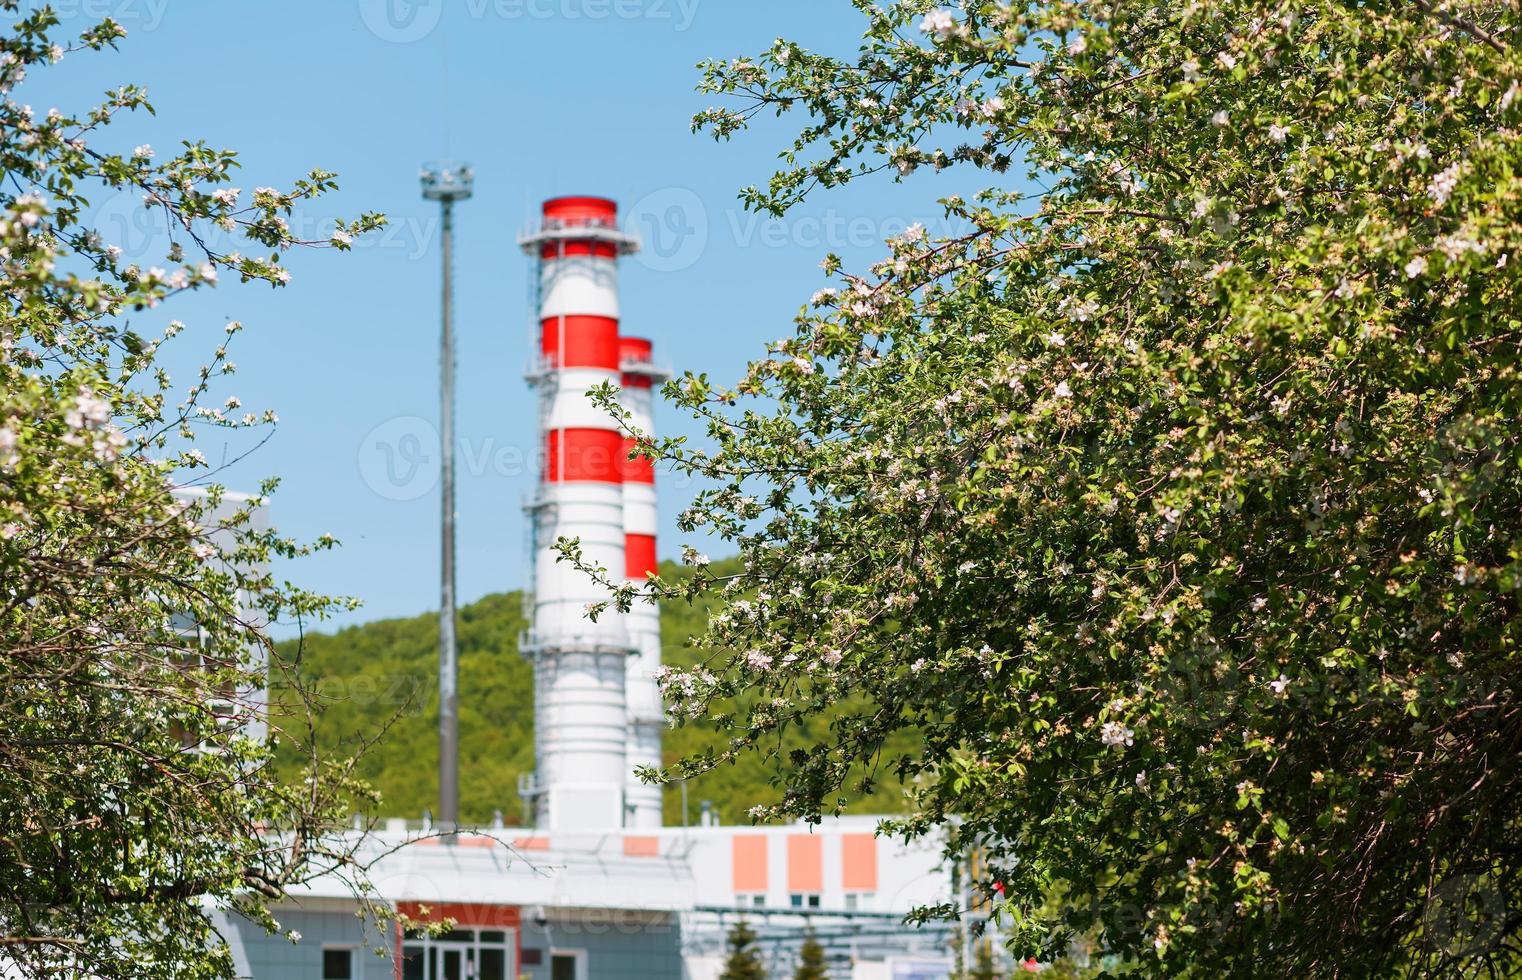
581 717
646 714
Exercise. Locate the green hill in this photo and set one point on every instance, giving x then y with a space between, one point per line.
384 674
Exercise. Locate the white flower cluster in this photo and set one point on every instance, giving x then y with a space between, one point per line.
1079 311
685 691
88 412
1453 246
1116 735
8 453
1442 184
938 22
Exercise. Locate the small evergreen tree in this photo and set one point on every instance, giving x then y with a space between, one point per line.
744 962
811 965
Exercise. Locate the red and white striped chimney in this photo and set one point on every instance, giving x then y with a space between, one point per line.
581 715
646 713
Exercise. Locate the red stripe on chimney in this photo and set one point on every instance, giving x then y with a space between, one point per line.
637 350
590 341
581 207
639 555
591 455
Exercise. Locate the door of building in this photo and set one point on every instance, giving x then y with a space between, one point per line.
461 954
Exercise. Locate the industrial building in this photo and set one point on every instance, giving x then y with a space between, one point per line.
597 888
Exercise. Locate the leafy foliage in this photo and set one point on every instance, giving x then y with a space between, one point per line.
137 796
1175 505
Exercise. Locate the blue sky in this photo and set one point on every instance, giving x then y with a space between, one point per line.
544 97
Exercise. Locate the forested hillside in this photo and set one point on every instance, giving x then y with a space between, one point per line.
385 672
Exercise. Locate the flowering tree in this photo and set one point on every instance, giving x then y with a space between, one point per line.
137 800
1174 506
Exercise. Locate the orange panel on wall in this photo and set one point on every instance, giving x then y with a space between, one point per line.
642 847
858 853
805 863
749 852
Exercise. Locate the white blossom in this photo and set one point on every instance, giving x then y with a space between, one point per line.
1416 267
938 22
1116 735
88 411
1079 311
1442 184
1453 246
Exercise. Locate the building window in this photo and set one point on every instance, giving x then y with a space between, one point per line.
804 901
568 964
338 964
858 900
477 954
753 900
